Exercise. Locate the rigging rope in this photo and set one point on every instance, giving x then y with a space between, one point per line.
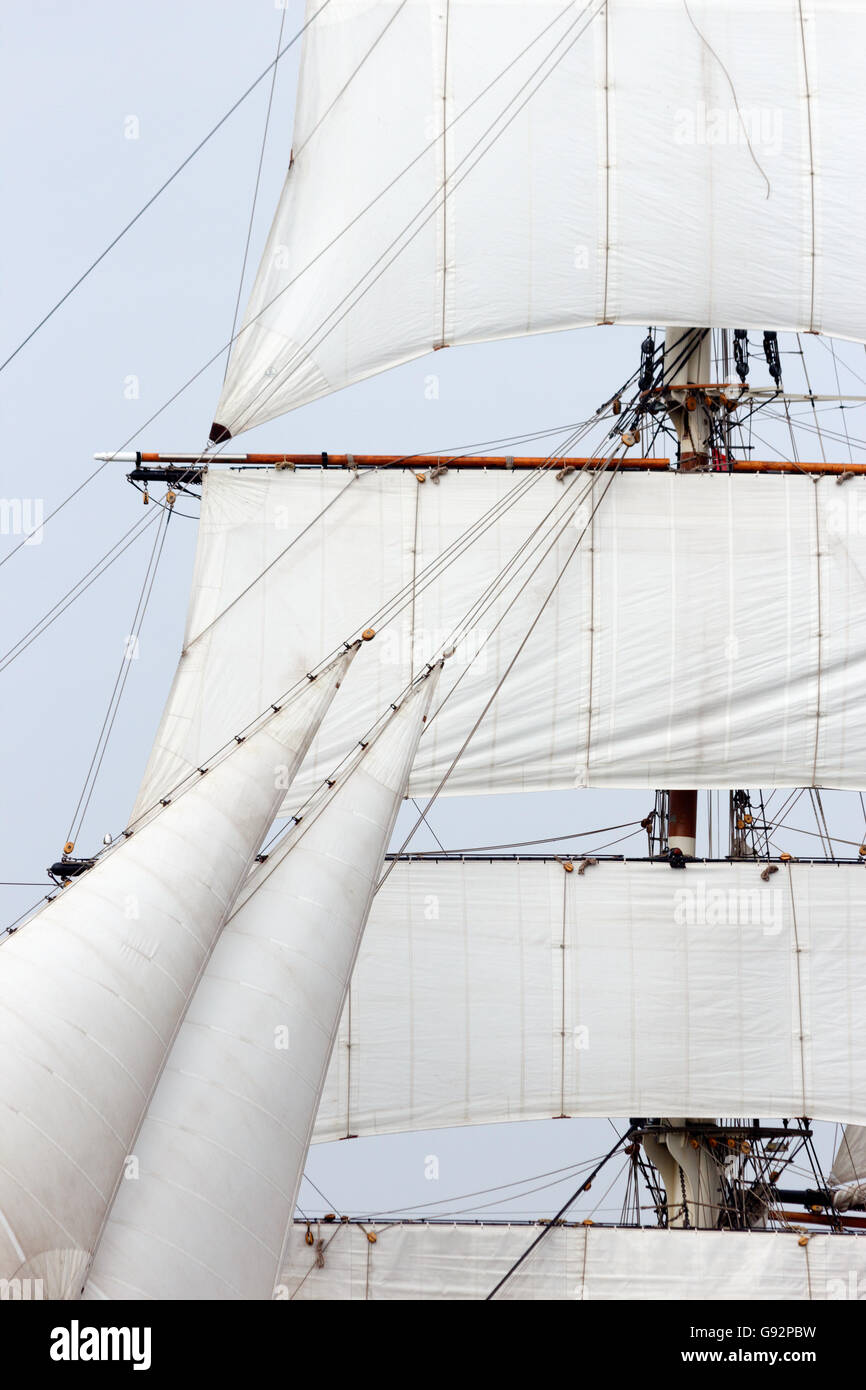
551 1224
300 355
81 587
256 188
510 665
120 681
170 180
525 844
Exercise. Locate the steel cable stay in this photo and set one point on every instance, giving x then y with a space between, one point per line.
429 826
809 389
321 795
585 1186
256 185
509 667
821 431
445 647
120 681
75 592
522 844
396 1214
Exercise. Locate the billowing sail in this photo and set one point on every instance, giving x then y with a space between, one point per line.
850 1161
443 1261
703 629
93 988
848 1177
221 1152
465 171
489 991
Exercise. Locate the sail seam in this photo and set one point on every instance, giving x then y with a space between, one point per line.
604 318
588 749
443 341
811 169
356 477
819 635
800 1023
348 1134
562 999
414 586
255 199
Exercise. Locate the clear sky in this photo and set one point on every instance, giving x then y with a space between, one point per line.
100 102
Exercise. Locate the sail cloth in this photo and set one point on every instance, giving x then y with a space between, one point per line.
496 990
418 1261
848 1177
483 169
709 630
849 1165
223 1146
93 988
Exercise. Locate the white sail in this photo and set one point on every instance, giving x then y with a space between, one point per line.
222 1149
441 1261
850 1161
482 169
709 630
495 991
93 988
848 1176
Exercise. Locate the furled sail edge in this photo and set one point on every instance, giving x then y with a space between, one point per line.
222 1148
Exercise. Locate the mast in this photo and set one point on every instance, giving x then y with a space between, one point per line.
686 365
692 1175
